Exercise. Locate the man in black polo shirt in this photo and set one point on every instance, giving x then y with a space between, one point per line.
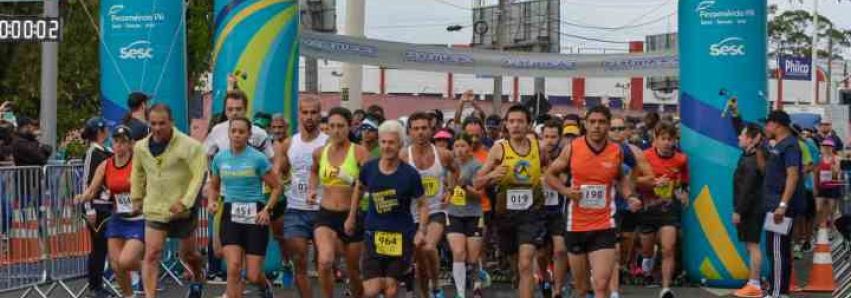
781 197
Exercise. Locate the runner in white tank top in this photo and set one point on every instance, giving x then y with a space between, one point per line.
300 156
440 173
294 159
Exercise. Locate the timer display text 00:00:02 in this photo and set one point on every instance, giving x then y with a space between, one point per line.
29 29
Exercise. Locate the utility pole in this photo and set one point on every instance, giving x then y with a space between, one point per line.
49 74
352 84
827 77
814 68
498 44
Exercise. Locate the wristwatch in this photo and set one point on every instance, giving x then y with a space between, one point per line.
783 205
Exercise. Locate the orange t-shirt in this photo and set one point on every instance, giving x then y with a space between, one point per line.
595 174
482 156
673 167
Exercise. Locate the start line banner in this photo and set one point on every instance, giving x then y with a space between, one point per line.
482 62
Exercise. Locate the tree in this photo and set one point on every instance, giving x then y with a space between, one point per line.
79 67
790 33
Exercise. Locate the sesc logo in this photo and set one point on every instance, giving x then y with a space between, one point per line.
137 50
731 46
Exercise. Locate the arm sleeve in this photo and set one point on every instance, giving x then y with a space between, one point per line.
738 124
197 161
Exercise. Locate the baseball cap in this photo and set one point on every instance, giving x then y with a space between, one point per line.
570 130
828 142
779 117
24 121
368 124
493 121
443 134
92 126
262 119
122 131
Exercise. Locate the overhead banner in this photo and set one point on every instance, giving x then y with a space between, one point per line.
482 62
143 49
722 52
795 68
255 42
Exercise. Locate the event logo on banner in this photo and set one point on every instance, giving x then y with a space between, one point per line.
722 53
256 42
143 49
795 68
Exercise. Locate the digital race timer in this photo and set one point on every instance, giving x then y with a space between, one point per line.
17 28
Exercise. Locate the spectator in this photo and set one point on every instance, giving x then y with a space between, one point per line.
376 112
262 120
100 208
436 119
468 98
6 132
137 118
747 201
825 131
26 148
493 125
781 199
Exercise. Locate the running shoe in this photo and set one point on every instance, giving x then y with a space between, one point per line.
667 293
485 278
546 289
216 279
748 291
438 293
196 290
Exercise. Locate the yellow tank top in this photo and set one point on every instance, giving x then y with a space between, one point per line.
520 188
342 175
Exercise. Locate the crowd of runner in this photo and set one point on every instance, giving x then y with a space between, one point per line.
577 202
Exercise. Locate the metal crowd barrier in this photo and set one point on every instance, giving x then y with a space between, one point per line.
22 264
68 241
44 239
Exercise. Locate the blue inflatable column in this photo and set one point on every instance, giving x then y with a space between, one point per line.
722 50
143 49
257 42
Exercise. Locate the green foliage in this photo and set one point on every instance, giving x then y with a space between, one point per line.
790 33
79 67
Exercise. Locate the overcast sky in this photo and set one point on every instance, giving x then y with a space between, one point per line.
425 21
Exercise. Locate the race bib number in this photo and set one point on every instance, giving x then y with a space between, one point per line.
825 176
431 185
300 187
388 244
459 197
593 196
244 213
123 205
519 199
664 191
551 197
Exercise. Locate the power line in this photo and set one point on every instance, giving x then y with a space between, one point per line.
445 2
662 18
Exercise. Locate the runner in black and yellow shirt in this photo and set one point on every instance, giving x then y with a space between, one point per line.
514 166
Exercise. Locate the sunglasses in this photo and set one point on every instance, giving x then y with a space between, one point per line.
617 128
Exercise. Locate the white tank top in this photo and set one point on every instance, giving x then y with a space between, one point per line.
300 155
432 181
